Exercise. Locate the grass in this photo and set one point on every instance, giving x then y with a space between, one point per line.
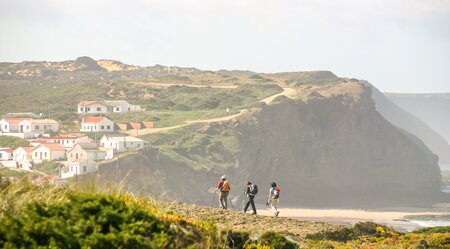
49 167
198 149
46 216
12 142
84 216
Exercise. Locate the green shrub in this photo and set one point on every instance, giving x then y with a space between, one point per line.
235 239
361 229
275 240
429 230
12 142
90 221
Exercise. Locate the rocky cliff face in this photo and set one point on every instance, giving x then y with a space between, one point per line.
329 151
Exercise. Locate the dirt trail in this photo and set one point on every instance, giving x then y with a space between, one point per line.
190 85
288 92
256 224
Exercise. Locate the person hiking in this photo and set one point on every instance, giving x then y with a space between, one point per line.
251 192
224 187
274 198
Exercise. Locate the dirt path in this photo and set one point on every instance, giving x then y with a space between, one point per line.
190 85
288 92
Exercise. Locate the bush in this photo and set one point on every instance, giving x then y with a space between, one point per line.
361 229
12 142
275 240
235 239
89 221
429 230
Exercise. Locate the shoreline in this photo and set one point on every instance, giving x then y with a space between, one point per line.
395 219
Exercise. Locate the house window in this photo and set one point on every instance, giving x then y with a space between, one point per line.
71 168
45 154
139 145
109 127
99 109
84 168
102 127
88 108
76 155
81 109
28 127
6 126
117 109
1 155
35 154
36 127
45 127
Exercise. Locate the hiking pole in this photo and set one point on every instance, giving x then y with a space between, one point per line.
214 198
231 202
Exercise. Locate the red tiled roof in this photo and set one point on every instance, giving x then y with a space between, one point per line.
16 120
27 148
62 137
7 150
86 103
54 147
93 119
41 141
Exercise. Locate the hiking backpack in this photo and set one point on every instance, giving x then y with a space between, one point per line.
254 190
225 187
277 192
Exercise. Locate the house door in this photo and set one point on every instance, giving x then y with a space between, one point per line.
21 128
40 155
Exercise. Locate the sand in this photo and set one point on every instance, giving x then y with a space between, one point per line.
343 214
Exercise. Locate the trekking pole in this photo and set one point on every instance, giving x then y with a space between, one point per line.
214 198
231 202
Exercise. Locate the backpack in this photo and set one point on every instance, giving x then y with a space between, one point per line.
225 187
254 190
277 192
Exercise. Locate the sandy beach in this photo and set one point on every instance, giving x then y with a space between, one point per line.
344 214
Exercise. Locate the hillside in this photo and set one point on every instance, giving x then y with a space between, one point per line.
433 109
414 124
331 143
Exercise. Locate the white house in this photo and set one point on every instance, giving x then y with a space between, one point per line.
122 143
82 166
44 125
15 125
22 154
27 125
85 151
6 154
48 152
68 141
97 124
106 106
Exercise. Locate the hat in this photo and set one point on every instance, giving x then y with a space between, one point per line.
223 177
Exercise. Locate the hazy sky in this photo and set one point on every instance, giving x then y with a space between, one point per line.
398 45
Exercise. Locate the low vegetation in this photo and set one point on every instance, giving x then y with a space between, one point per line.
46 216
198 145
12 142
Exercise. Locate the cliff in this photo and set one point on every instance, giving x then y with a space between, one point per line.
331 150
405 118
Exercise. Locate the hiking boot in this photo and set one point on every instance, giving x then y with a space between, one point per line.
276 214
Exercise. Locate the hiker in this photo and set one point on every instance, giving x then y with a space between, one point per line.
274 198
224 187
251 192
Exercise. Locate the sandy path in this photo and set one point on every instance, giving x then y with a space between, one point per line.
190 85
288 92
344 214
